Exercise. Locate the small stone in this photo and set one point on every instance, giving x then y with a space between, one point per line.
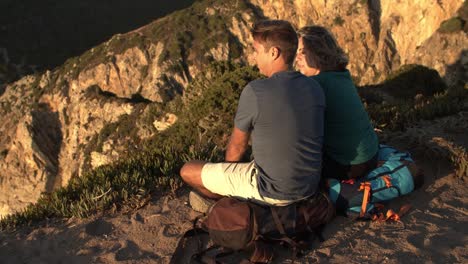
324 251
139 218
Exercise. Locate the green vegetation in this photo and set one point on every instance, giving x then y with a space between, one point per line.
199 29
451 25
403 113
416 93
123 131
129 182
456 23
339 21
412 79
207 109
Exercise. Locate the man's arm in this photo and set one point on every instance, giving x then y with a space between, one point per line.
237 145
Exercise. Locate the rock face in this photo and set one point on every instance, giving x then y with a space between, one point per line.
95 107
379 36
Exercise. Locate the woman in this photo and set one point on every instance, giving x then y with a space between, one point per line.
351 145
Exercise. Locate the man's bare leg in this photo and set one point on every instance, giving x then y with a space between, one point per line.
191 174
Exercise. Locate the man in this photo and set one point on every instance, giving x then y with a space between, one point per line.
284 115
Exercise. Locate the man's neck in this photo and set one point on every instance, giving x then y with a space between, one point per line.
279 68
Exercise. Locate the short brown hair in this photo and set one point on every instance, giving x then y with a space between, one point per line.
322 49
277 33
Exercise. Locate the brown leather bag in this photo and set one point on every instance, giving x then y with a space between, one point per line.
242 225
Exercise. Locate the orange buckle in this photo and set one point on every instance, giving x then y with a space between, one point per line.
388 180
366 187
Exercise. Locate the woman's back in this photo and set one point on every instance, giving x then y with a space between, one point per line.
349 135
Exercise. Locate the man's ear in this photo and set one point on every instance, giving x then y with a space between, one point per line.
274 53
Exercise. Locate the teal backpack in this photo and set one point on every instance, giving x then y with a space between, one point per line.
396 175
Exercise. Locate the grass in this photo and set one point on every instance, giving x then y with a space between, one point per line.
126 183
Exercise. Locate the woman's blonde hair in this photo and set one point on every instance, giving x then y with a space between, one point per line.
322 50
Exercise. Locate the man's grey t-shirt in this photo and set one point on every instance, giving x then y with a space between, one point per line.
285 114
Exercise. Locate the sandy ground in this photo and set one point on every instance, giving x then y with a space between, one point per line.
434 231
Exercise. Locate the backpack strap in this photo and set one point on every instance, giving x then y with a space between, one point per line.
281 229
386 177
194 232
284 237
404 163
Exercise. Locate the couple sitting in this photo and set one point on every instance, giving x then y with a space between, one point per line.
304 125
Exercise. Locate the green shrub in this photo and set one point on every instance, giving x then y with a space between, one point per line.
211 99
412 79
197 33
339 21
451 25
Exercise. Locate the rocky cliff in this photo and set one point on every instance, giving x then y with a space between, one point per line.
379 36
108 101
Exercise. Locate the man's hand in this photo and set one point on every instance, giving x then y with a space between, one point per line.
237 145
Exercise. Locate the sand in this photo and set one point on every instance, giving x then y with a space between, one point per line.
433 231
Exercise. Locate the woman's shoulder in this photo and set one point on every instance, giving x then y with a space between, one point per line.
341 79
333 75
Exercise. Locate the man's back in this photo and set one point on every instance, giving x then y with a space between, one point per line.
285 114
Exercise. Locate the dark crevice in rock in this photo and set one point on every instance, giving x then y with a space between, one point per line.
257 11
392 58
375 12
47 135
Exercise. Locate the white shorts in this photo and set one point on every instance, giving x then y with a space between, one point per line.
236 180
